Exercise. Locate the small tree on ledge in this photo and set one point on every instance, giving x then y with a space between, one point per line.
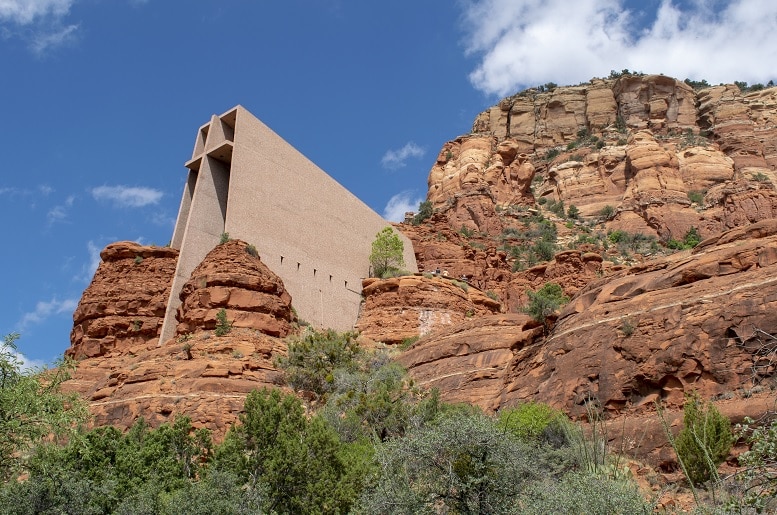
387 252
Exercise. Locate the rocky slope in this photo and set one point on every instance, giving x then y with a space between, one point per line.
663 156
125 374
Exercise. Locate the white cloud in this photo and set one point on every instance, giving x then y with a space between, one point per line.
24 12
46 309
393 159
127 196
399 204
59 213
56 36
38 22
524 43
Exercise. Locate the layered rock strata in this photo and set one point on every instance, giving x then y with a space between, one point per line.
124 304
406 307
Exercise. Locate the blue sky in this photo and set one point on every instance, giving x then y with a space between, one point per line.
101 100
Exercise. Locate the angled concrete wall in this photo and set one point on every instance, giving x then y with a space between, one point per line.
246 180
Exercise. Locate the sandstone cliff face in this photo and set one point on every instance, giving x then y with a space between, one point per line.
231 278
125 303
690 321
123 371
202 376
407 307
640 144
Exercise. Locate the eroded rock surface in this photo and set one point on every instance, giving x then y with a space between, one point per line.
410 306
124 304
233 279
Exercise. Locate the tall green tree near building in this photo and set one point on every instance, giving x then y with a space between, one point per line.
386 253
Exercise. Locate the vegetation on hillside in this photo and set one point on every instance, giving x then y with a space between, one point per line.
374 443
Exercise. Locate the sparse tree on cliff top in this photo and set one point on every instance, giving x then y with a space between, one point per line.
387 252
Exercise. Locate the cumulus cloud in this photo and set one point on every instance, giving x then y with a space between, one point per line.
45 309
399 204
522 43
394 159
127 196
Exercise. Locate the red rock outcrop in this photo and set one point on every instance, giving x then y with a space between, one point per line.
202 376
690 321
410 306
233 279
640 144
124 304
467 362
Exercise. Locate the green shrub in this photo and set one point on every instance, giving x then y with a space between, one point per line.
534 421
579 492
223 326
545 301
544 250
573 212
408 342
251 251
758 479
607 212
138 259
697 197
224 238
705 440
425 211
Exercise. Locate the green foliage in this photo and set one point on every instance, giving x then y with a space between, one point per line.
627 326
705 440
759 477
464 286
690 240
32 406
299 462
544 250
573 212
545 301
549 156
760 177
491 294
224 238
138 259
98 469
697 84
607 212
697 197
387 252
461 464
312 360
223 326
579 492
534 421
251 251
408 342
466 231
425 211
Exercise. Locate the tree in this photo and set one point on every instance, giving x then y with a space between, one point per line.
299 463
32 406
705 440
545 301
425 211
386 253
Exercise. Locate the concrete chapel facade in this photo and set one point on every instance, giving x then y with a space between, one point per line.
313 233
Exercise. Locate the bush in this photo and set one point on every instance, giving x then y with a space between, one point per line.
573 212
584 493
224 238
462 464
312 360
251 251
607 212
705 440
545 301
534 422
223 326
425 211
759 477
